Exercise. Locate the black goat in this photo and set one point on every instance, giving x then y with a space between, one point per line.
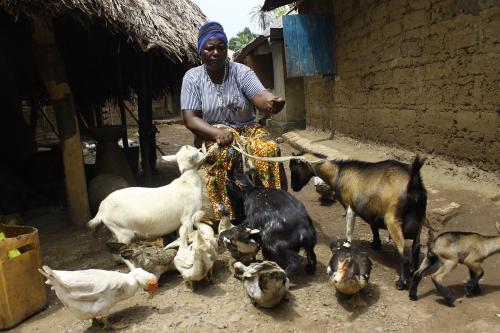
387 194
284 224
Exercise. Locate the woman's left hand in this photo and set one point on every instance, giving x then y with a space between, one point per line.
268 103
276 104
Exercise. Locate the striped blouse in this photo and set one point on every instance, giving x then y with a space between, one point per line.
227 103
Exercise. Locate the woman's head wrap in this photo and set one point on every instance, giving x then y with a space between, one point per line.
209 30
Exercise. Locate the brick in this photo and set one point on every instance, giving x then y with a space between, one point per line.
406 136
493 154
419 4
396 8
481 63
489 90
434 43
403 74
414 94
485 123
441 11
437 121
420 32
433 142
415 19
465 149
463 38
391 51
390 95
405 118
391 29
411 47
436 70
379 12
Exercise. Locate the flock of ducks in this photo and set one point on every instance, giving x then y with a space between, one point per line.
90 294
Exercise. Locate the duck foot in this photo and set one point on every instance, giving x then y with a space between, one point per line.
356 301
190 285
106 325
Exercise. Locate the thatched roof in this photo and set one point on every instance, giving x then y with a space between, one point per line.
101 41
273 4
170 25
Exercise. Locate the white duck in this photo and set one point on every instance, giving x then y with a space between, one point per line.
265 282
91 293
202 223
194 261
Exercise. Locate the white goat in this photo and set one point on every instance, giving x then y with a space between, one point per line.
141 212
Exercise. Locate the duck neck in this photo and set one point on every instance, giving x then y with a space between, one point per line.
328 172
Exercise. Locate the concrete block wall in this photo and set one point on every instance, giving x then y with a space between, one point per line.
424 74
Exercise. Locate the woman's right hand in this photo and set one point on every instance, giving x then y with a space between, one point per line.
224 138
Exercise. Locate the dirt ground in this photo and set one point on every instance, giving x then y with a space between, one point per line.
313 306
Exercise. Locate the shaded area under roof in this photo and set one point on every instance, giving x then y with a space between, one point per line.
103 42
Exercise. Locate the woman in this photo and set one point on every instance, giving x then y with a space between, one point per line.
224 92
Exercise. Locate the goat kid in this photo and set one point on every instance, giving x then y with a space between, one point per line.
284 224
387 194
140 212
450 248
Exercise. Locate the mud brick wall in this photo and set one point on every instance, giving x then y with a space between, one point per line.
422 74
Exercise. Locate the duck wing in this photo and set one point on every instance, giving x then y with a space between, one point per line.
364 264
85 285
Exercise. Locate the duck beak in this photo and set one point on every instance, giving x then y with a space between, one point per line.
152 286
339 275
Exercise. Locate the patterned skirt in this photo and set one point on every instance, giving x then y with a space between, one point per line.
227 159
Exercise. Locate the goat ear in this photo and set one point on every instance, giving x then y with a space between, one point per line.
253 177
169 158
334 244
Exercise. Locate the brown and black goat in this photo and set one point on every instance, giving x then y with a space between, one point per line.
387 194
450 248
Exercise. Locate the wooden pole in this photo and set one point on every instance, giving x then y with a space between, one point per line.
53 73
152 133
34 110
144 129
121 103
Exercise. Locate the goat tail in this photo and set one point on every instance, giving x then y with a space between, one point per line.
415 180
415 189
94 223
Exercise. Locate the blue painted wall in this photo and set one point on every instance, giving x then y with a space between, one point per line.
308 45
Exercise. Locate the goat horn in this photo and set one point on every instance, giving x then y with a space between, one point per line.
498 226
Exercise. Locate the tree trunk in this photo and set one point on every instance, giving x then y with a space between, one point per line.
53 73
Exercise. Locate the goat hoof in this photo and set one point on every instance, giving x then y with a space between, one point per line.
401 285
472 290
450 300
413 297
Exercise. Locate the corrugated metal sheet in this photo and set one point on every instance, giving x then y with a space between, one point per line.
308 45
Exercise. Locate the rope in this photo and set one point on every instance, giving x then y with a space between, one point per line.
238 148
276 159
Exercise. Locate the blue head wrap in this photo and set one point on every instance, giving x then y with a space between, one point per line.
209 30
